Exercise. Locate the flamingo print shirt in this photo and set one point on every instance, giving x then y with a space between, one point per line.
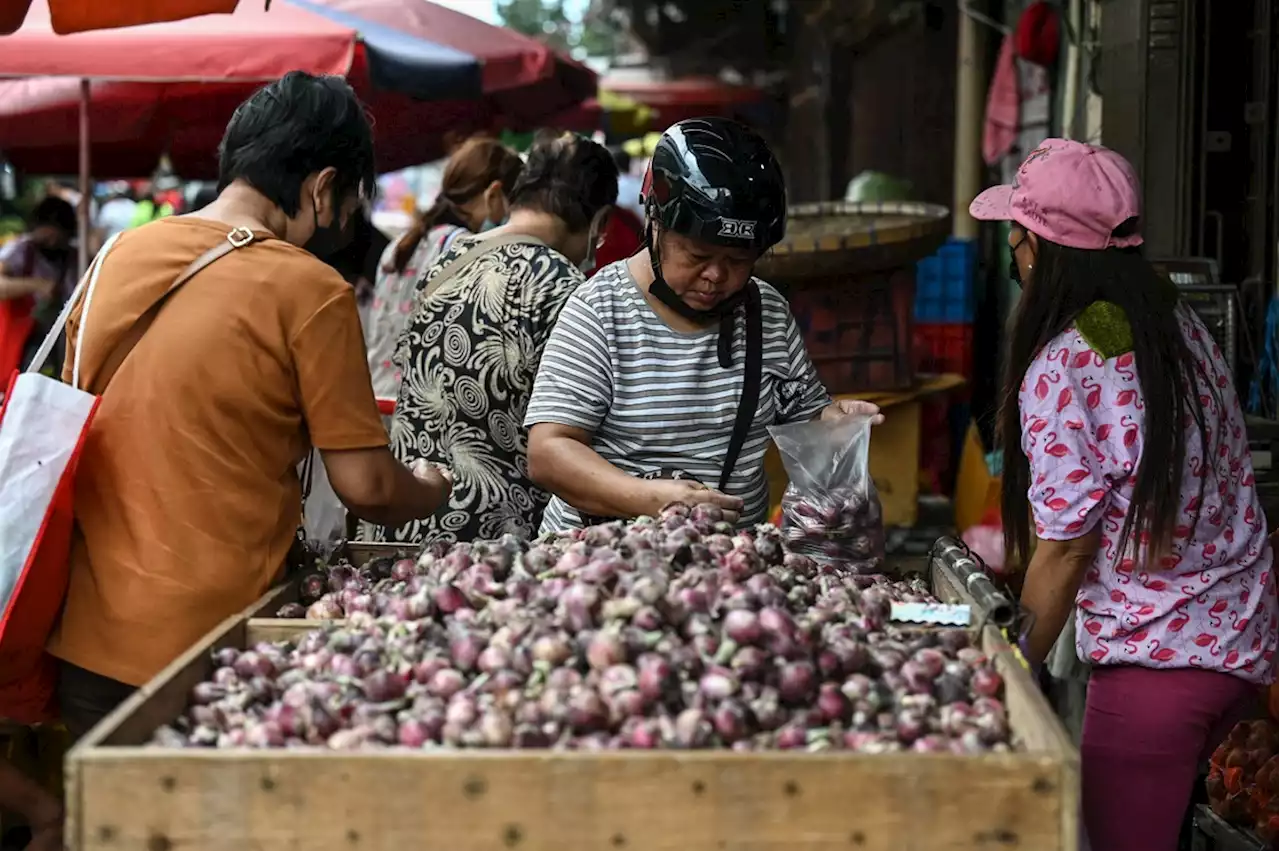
1214 604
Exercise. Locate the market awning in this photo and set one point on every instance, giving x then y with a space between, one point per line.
72 16
415 48
682 97
170 88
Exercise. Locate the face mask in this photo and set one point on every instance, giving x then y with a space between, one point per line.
54 254
328 239
1015 274
490 224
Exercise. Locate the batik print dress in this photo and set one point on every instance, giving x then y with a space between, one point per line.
468 357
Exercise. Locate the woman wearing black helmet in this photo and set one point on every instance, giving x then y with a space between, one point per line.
665 370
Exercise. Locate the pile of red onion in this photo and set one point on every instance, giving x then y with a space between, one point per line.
669 632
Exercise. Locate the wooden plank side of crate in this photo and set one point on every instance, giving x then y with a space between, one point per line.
269 603
544 801
1037 728
279 629
361 552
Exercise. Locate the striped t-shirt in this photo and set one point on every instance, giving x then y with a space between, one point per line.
658 399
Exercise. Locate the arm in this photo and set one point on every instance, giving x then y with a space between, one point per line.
562 461
344 424
801 395
13 283
12 287
571 397
1049 589
376 487
1072 459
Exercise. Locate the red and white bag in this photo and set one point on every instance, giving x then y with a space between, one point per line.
43 424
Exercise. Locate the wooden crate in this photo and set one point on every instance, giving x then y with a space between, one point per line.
122 797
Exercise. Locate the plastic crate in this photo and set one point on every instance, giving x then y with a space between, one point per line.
942 347
858 330
945 283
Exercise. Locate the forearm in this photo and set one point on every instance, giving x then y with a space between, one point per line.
577 474
407 498
14 287
1049 590
376 487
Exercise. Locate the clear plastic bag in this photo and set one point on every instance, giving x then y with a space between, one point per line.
831 511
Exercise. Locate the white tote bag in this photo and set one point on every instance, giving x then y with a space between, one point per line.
43 425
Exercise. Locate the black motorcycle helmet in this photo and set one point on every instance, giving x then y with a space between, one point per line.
713 180
716 180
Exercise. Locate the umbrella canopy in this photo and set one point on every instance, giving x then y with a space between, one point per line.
682 97
422 69
72 16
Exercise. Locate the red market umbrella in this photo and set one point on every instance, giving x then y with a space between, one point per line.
683 97
172 87
72 16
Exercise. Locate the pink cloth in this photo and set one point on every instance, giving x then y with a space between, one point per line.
1145 733
1214 606
1069 193
1000 125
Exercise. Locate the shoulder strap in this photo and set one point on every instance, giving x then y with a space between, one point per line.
750 399
484 246
237 238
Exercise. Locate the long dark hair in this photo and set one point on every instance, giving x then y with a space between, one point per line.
476 164
1064 282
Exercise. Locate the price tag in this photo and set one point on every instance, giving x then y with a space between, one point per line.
940 614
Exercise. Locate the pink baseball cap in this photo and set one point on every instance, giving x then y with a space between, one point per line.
1069 193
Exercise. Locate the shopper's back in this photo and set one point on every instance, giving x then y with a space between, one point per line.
187 496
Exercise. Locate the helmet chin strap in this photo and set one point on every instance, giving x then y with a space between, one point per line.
722 312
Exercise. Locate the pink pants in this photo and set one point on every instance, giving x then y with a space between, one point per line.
1145 733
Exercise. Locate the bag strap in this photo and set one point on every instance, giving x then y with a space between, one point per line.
235 239
484 246
751 376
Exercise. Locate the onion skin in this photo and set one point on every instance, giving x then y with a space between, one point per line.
677 631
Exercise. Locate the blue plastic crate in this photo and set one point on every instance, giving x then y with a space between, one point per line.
945 283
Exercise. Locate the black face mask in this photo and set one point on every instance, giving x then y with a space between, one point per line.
54 254
328 239
1015 274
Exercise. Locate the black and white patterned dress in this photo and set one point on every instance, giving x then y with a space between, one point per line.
468 357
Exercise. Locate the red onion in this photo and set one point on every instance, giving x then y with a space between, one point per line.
742 626
403 570
676 631
985 682
796 682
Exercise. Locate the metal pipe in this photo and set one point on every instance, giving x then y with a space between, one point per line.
952 555
970 97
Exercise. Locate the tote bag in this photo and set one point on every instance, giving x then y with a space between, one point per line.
43 426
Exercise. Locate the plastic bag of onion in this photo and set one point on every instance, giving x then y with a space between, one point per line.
831 511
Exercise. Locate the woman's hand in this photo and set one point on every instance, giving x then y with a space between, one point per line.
851 408
666 491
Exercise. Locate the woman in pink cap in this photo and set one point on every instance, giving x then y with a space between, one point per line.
1122 430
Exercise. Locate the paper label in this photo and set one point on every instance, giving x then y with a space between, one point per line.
942 614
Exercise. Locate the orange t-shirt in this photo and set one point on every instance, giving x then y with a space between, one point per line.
187 495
